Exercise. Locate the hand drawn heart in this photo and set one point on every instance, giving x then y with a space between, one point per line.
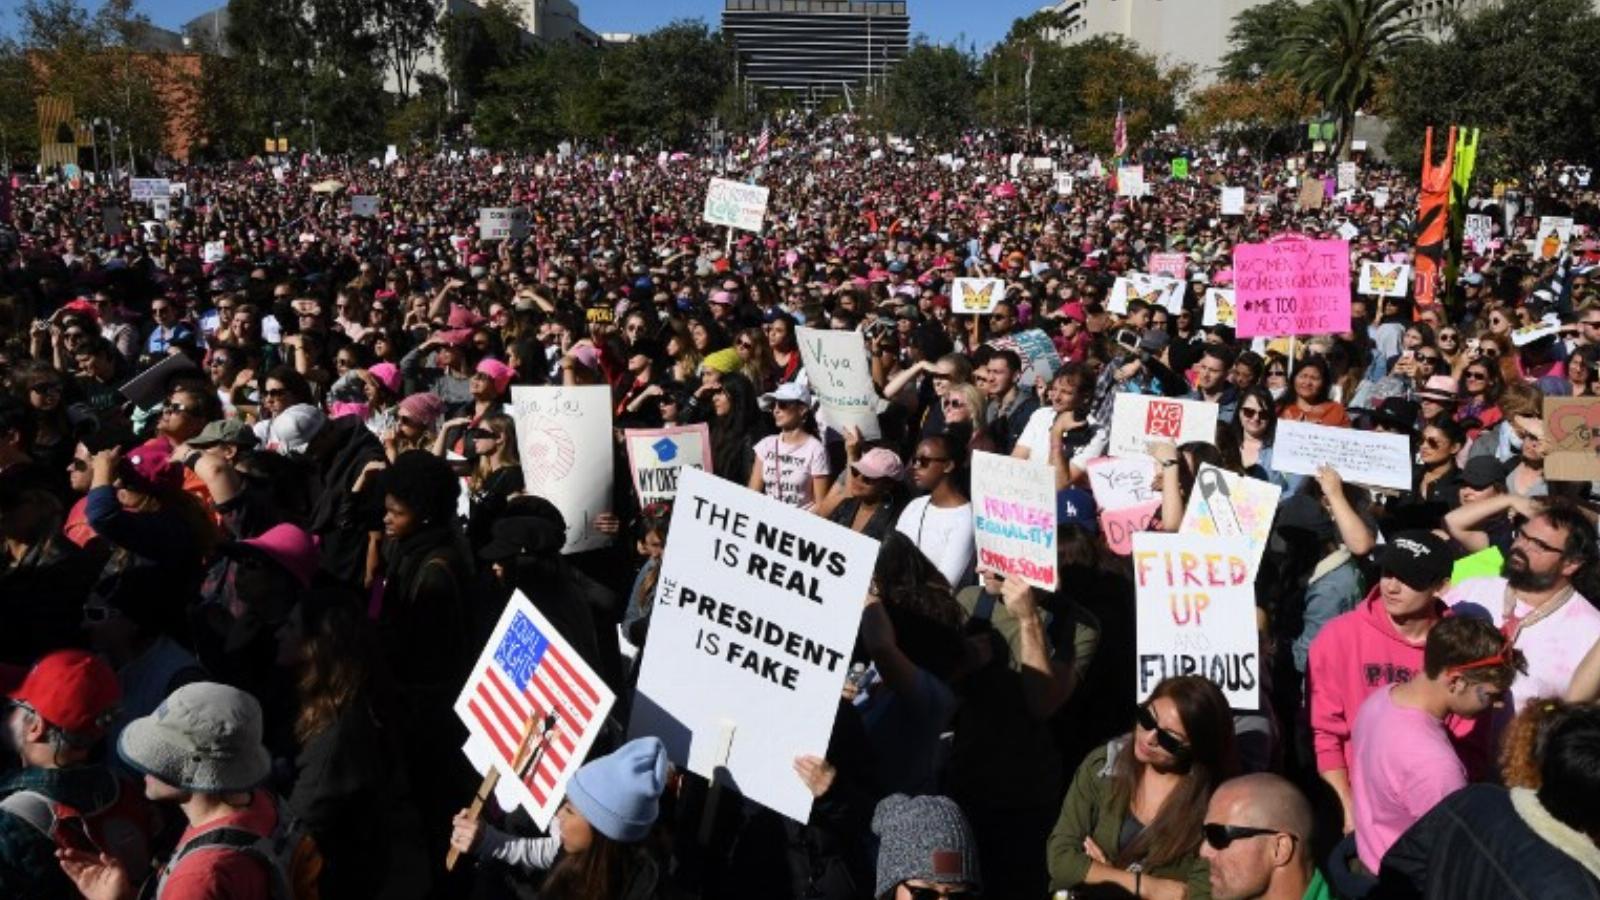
1574 419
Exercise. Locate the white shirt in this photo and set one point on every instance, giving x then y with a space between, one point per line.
1553 646
945 536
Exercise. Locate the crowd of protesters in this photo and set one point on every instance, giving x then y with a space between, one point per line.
255 579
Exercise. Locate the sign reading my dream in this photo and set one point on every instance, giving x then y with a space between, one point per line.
1292 286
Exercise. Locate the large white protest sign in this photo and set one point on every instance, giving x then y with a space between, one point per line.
1130 181
735 204
1156 290
1232 506
1063 183
1384 279
1233 201
1196 614
1371 458
364 206
147 189
755 618
1349 176
532 708
1218 308
1121 482
1137 420
1477 232
976 296
837 367
564 435
1014 518
497 223
656 457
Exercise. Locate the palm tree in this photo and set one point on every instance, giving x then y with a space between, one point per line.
1339 49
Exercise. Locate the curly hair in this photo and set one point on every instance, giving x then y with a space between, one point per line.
1523 744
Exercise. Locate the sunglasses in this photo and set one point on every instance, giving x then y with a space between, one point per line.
1219 836
1433 443
79 465
1252 412
953 403
1447 336
1277 373
926 893
175 408
96 614
1430 359
1168 740
481 434
1475 376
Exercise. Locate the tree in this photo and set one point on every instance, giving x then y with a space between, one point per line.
1340 49
404 29
929 92
1255 38
1519 71
1248 113
1117 72
673 78
475 44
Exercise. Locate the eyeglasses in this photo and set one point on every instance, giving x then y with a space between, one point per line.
1169 740
79 465
1219 836
175 408
1522 535
953 403
922 462
927 893
1433 443
1277 373
1475 376
481 434
1445 336
410 422
1252 412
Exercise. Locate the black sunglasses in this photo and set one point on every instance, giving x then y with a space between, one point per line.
927 893
1220 836
1168 740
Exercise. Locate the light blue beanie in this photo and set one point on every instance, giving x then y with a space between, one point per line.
620 794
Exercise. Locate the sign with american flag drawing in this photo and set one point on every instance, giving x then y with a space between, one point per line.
530 687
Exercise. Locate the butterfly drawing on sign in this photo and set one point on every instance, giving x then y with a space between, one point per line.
978 298
1383 281
1153 297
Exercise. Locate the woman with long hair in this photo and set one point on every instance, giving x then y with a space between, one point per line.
1481 388
1254 429
680 350
1307 399
784 343
966 418
869 496
496 475
43 391
734 419
1131 820
755 358
792 465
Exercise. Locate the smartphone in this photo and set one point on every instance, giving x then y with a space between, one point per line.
1128 339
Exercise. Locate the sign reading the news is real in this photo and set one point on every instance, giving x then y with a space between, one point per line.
1291 286
1014 518
1196 614
755 618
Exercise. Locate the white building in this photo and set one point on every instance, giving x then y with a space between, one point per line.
1176 32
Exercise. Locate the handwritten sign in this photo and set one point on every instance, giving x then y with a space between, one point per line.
1156 290
1290 286
755 619
735 204
1136 420
1120 525
1233 201
1130 181
364 206
1371 458
1477 232
837 367
1555 232
1014 518
1063 184
1384 279
976 296
1121 482
497 223
564 436
656 457
1232 506
147 189
1172 265
1219 308
1572 430
1349 176
1196 615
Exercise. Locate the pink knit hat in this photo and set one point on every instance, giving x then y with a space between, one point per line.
388 375
497 372
291 547
425 409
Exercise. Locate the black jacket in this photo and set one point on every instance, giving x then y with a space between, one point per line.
343 519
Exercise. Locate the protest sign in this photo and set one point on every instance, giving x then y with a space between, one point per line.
1549 326
1384 279
161 208
1120 525
1196 614
1236 507
564 436
656 457
1477 232
1349 176
150 387
1291 286
837 367
735 204
1130 181
1040 359
1121 482
530 683
1233 201
497 223
1172 265
1310 196
147 189
364 206
1349 231
1179 169
1157 290
1555 232
976 296
1043 164
755 618
1219 309
1014 518
1572 435
1136 420
1371 458
1063 183
214 252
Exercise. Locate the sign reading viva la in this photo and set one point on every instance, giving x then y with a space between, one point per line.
836 365
735 204
1196 614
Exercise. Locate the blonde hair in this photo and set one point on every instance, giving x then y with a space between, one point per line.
975 402
505 427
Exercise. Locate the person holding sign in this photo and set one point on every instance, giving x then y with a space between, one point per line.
869 497
1132 818
792 465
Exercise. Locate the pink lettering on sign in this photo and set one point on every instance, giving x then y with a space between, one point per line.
1163 420
1119 525
1292 286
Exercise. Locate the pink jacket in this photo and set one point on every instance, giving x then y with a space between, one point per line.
1355 654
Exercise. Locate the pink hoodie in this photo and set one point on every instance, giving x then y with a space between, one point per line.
1356 654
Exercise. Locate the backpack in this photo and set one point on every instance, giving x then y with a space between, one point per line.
289 854
124 828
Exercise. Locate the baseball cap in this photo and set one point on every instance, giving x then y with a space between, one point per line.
1483 471
74 690
879 462
1076 506
789 392
1419 558
293 429
224 431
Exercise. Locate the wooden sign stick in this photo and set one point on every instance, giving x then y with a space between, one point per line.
486 789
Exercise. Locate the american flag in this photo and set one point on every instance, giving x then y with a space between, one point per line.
1119 133
528 678
764 141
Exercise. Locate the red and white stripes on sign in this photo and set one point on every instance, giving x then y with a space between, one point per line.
503 714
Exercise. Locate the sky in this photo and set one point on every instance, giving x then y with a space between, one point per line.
941 21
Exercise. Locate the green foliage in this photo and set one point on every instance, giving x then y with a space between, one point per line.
476 45
1520 72
1341 48
1255 38
930 92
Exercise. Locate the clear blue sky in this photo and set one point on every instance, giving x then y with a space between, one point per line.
942 21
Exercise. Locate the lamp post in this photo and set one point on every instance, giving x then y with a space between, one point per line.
316 146
277 129
94 147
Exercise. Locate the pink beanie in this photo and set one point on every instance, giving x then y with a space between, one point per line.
497 372
424 408
388 375
291 547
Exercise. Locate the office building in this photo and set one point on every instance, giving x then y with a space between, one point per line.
816 46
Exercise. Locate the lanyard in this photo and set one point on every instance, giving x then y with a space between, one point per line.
1514 626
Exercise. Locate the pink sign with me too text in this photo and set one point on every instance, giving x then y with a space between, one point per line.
1292 286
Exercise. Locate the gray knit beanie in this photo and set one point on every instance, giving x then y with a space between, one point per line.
926 838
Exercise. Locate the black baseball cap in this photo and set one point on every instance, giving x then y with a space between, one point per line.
1483 471
1419 558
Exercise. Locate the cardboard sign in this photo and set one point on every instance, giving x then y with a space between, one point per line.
529 680
657 456
147 189
735 204
836 365
1040 359
1371 458
1063 183
1310 196
564 436
1121 482
1477 232
1014 518
1120 525
1572 435
1219 308
1233 201
1236 507
1158 290
1555 232
1349 176
1290 286
364 206
1130 181
1384 279
756 614
1172 265
497 223
1136 420
976 296
1196 615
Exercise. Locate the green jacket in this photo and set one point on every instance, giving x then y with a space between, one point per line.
1088 811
